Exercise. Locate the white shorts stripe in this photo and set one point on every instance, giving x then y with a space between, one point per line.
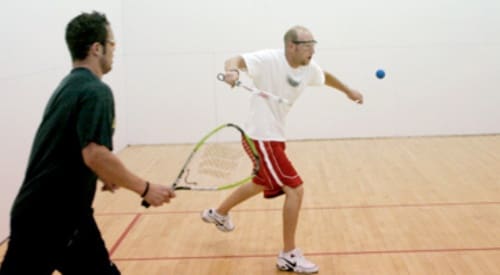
268 163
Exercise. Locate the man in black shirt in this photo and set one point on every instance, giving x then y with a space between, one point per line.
52 222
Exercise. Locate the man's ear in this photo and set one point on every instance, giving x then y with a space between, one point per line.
96 49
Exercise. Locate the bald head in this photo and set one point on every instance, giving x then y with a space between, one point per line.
293 34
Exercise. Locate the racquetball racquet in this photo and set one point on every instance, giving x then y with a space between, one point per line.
256 91
217 162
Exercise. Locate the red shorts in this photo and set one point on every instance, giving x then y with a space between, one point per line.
275 168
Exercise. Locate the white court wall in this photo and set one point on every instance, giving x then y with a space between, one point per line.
441 57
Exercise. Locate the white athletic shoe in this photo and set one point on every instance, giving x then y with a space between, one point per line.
295 261
223 223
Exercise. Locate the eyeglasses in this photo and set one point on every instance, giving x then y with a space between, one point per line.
111 42
306 42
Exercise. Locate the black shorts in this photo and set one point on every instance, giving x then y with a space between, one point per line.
43 250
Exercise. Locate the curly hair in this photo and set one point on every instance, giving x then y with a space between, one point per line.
83 31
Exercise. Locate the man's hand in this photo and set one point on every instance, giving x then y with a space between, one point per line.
355 96
110 187
231 77
158 194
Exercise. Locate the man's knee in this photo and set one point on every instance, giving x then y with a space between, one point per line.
296 192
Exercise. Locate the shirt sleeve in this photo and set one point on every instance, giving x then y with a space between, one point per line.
95 122
317 75
254 62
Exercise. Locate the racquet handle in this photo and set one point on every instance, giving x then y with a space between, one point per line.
221 77
261 93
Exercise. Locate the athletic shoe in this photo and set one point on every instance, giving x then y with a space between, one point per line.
223 223
295 261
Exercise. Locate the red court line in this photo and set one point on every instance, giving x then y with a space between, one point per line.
339 207
124 234
450 204
314 254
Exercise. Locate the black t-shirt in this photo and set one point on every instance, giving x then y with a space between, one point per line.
58 186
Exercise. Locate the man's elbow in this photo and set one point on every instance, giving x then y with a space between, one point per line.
93 154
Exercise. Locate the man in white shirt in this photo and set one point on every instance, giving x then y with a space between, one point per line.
285 73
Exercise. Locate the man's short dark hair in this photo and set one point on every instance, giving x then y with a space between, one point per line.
83 31
290 35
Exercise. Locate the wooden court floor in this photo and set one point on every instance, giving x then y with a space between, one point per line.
428 205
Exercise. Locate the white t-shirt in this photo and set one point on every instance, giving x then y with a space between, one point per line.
271 72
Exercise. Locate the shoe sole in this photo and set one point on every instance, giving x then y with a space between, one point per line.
291 269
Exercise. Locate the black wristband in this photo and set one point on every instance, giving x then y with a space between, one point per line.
145 190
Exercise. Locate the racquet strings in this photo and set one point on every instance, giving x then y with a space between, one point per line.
218 162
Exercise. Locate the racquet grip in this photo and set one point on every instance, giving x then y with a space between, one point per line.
145 204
